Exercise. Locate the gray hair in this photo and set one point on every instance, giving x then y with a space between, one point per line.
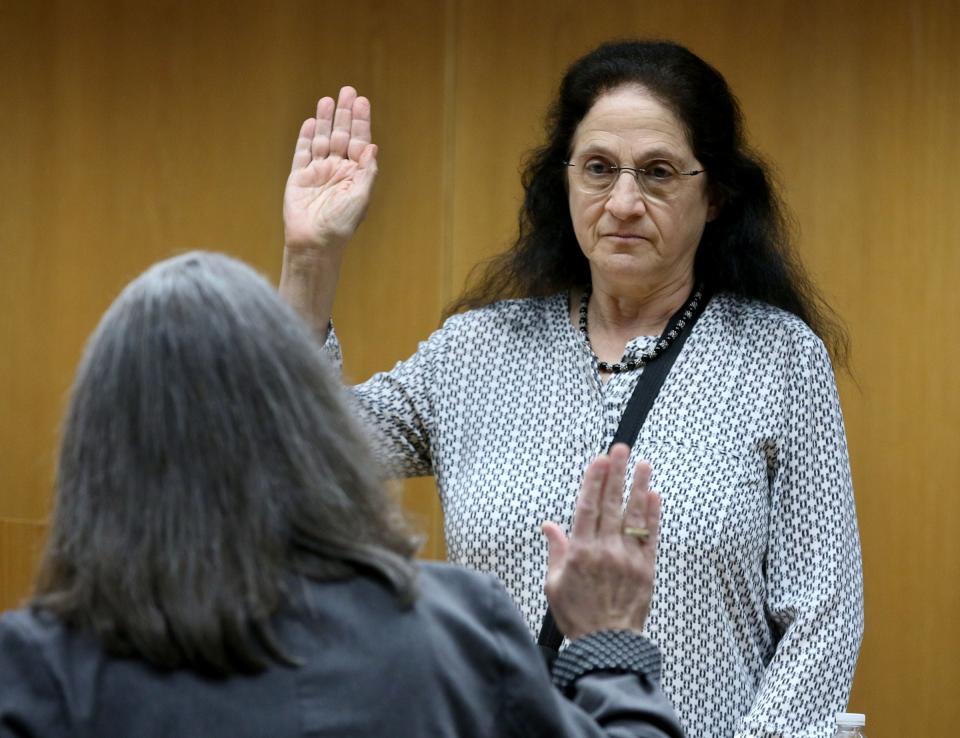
208 459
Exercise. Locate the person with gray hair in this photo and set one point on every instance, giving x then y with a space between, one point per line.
224 559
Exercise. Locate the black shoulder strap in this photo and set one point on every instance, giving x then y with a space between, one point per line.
642 399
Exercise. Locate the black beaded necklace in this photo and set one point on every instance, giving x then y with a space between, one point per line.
674 328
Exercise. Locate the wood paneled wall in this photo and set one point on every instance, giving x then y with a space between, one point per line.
132 130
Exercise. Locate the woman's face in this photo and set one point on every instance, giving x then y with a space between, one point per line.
634 240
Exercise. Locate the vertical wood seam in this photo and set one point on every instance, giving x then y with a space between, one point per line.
448 169
448 183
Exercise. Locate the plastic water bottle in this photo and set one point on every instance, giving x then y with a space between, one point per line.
850 725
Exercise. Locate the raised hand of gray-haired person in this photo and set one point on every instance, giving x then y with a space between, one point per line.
601 576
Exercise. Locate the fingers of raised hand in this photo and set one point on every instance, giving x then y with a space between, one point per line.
359 128
642 511
342 122
341 128
302 151
590 499
653 517
556 547
368 157
320 146
611 517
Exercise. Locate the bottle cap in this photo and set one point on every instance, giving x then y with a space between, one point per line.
851 718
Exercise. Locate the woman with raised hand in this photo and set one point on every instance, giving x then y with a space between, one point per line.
224 559
650 233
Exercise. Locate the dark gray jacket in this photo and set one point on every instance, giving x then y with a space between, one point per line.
459 663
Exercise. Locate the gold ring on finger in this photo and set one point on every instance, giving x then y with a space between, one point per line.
641 534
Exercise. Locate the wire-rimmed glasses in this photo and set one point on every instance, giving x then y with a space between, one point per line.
658 179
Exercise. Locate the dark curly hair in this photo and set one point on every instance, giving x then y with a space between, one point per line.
746 250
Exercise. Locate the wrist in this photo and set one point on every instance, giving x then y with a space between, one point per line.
609 651
577 623
312 254
308 283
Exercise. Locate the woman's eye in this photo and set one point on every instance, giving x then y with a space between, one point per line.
597 167
659 171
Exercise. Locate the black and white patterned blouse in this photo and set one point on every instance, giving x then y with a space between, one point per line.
758 606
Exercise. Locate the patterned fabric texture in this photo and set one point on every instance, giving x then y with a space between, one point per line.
758 605
608 650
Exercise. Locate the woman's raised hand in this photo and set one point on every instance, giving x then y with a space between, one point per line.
601 576
331 179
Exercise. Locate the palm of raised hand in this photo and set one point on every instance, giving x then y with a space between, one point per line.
331 179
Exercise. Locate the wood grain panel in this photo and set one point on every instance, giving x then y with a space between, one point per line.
21 543
137 130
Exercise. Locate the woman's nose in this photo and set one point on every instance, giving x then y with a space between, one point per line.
626 199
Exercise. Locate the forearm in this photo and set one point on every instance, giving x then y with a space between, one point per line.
308 282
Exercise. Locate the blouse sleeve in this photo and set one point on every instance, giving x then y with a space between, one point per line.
814 570
396 408
30 701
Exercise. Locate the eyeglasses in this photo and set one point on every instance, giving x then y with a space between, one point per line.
658 179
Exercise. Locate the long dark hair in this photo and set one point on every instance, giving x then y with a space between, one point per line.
207 461
746 250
